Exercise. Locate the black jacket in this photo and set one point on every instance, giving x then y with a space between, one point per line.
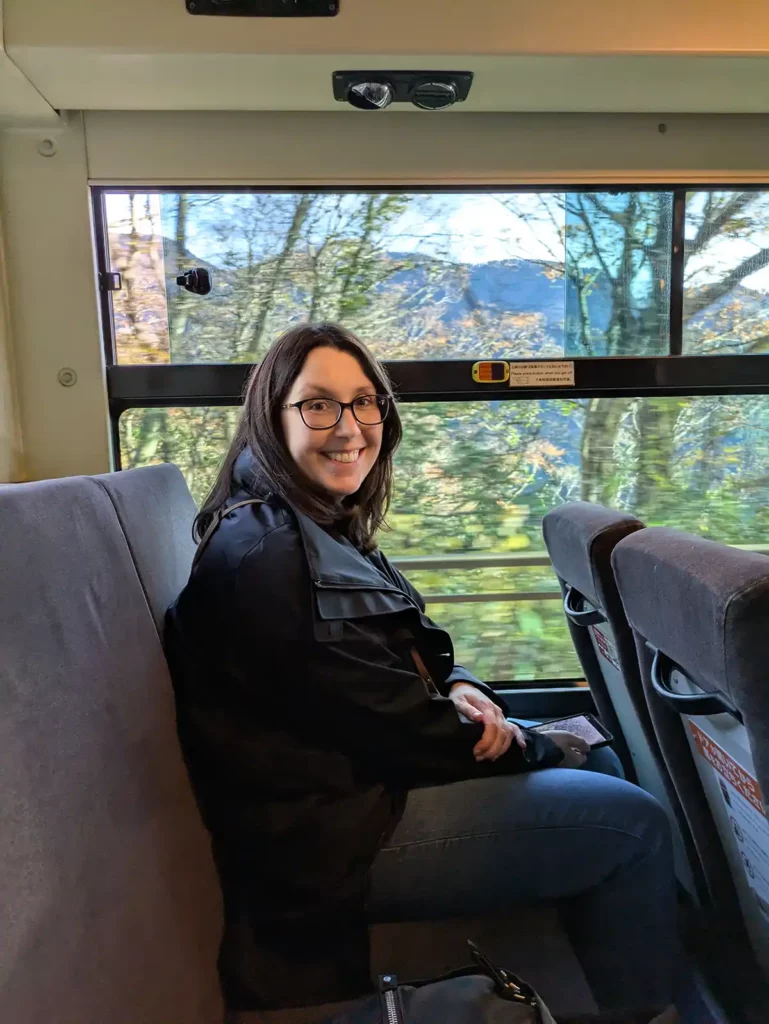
304 721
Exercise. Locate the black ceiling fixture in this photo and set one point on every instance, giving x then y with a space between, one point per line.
265 8
376 90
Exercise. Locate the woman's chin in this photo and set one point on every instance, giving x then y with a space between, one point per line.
340 484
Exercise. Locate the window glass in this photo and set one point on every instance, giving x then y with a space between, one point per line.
726 273
417 275
474 479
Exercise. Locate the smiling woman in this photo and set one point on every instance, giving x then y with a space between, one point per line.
335 439
335 469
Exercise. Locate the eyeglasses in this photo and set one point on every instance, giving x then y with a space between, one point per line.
323 413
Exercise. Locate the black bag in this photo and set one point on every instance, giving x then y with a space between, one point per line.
481 994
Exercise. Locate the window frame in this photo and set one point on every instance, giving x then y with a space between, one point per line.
430 381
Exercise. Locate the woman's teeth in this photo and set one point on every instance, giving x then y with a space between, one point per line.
344 456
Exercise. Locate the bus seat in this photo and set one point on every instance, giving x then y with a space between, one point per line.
110 903
111 907
580 538
156 511
700 613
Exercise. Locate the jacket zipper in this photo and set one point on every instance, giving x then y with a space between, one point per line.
325 585
390 1004
508 986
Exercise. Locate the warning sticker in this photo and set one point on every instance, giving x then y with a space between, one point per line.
605 647
744 805
725 765
547 374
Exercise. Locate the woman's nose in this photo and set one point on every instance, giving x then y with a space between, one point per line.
347 426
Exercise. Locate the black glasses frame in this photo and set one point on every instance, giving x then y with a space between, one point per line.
383 402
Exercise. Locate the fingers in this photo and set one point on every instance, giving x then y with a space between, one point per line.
497 736
470 712
578 744
518 736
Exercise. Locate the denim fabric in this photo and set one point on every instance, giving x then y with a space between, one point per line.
589 840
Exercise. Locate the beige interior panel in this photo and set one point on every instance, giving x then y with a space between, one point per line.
11 462
552 56
44 204
464 149
20 101
485 27
76 78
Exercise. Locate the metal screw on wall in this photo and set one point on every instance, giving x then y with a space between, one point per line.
66 377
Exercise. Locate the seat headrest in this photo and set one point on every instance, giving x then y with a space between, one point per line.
580 538
703 604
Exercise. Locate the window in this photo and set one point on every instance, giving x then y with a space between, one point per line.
418 275
726 273
434 281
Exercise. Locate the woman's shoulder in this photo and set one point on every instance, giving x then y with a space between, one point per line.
253 534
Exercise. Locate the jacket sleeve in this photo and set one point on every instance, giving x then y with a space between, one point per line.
458 674
360 695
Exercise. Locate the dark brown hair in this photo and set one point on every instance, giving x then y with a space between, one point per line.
259 428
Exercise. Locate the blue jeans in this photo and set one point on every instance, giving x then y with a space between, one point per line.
598 845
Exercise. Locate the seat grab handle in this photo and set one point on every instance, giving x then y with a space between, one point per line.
573 605
686 703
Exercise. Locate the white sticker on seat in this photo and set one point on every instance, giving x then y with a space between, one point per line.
742 796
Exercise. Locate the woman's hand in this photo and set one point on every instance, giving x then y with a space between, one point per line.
575 749
498 733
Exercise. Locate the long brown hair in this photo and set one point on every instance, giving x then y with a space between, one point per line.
259 428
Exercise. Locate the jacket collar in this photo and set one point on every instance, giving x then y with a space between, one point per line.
332 561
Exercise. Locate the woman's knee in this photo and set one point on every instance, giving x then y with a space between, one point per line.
608 802
605 761
645 817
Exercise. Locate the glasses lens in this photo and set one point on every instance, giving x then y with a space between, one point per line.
321 413
370 409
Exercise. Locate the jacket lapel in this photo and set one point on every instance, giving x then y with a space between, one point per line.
347 585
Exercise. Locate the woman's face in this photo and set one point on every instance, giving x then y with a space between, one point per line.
340 458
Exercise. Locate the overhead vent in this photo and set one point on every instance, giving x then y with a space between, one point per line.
265 8
376 90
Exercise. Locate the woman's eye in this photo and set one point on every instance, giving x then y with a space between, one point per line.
318 406
365 401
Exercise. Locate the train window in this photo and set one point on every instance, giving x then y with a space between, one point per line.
473 480
418 275
726 273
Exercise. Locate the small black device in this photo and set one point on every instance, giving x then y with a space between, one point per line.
376 90
585 726
265 8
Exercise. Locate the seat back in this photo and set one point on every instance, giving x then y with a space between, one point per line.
156 511
700 614
110 902
580 538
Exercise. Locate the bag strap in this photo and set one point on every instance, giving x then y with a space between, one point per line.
213 525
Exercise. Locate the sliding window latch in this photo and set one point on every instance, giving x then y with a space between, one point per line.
111 281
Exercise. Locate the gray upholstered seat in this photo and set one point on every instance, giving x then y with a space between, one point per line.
580 538
701 610
156 510
110 905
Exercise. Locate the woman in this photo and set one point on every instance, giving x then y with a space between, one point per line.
317 703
